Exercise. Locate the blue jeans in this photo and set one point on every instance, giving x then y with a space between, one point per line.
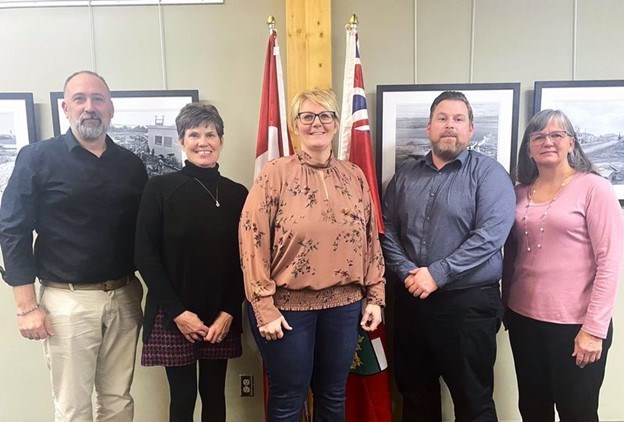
316 353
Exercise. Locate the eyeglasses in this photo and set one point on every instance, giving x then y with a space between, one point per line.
307 117
555 136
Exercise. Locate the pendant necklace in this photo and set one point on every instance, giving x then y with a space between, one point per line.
216 199
530 193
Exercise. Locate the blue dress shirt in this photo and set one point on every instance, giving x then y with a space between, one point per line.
453 220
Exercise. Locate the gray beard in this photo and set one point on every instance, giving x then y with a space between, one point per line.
90 133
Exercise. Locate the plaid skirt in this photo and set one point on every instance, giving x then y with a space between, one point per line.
170 348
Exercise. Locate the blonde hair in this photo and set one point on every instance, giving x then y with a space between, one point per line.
324 97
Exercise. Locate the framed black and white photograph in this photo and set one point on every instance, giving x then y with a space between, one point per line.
403 114
144 123
596 109
17 128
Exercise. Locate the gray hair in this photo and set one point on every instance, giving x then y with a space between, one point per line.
194 115
80 72
526 171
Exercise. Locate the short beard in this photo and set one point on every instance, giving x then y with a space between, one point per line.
449 153
90 133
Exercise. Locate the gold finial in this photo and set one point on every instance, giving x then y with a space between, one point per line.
353 22
271 22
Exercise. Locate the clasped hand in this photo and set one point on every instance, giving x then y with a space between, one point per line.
194 328
420 283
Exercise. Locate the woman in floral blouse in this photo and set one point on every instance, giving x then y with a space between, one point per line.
310 252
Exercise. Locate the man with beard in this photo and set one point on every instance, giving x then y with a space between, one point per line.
447 215
80 192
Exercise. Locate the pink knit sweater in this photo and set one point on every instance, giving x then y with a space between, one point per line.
573 277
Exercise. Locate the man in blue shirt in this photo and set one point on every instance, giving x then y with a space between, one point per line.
80 192
447 215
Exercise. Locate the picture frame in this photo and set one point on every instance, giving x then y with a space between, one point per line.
17 129
144 123
403 113
596 109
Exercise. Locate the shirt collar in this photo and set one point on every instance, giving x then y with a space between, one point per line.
72 143
461 158
305 158
204 173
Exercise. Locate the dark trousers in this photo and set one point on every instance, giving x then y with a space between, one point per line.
316 353
183 386
450 335
547 373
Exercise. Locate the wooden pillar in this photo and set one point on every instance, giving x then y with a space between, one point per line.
308 47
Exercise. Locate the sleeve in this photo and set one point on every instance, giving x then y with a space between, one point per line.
255 238
374 280
510 252
494 216
394 253
18 220
606 233
234 290
148 250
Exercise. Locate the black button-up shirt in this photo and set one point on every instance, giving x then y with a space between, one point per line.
82 207
453 220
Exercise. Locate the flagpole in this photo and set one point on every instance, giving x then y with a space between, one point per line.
287 148
346 121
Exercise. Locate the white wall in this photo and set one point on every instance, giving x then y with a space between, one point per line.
219 49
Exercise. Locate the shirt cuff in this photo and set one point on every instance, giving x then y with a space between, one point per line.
439 272
172 310
21 278
265 311
403 270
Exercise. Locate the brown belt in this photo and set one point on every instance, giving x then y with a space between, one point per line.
104 285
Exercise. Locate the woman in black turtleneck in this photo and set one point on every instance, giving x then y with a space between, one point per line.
187 253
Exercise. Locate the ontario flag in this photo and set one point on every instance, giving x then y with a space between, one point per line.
368 387
273 140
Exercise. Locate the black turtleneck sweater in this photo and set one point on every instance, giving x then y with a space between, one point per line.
186 247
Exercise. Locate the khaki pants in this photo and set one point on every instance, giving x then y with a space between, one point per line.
93 349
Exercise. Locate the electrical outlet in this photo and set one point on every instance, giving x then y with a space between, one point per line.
246 385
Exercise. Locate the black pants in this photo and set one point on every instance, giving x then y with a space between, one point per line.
183 390
450 335
547 373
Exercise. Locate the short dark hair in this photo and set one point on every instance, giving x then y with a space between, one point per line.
194 115
80 72
526 170
452 96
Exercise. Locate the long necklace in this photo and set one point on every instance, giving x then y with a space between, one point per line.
216 199
530 193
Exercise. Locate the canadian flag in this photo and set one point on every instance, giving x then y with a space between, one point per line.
273 139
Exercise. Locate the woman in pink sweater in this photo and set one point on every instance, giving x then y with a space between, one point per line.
562 266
